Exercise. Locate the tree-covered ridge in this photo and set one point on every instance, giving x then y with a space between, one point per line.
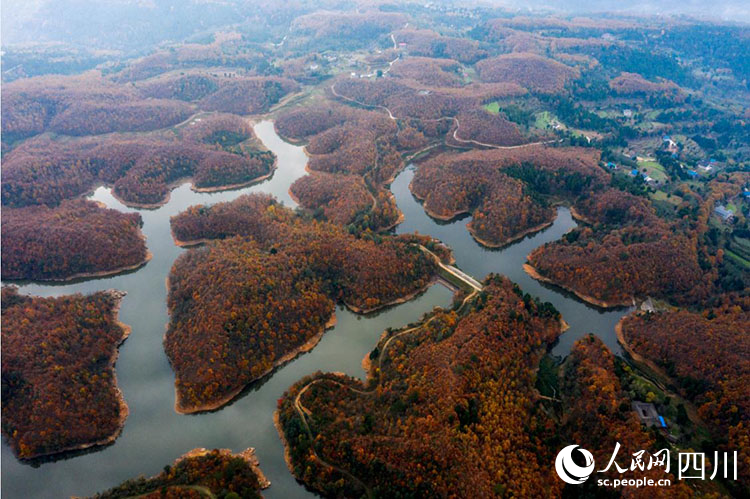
597 415
428 71
429 43
31 106
633 83
411 100
610 268
89 104
334 28
59 391
505 190
501 206
339 198
266 289
75 239
479 127
531 71
199 473
215 151
628 252
449 408
706 354
344 142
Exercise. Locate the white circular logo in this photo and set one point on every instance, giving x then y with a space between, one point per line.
568 470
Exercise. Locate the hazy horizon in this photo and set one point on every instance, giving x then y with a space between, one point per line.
129 24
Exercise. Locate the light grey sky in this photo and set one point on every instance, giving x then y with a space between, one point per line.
149 21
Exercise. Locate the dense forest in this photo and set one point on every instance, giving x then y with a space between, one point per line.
531 71
88 104
611 267
487 128
441 393
336 30
639 125
626 251
339 198
633 83
148 97
266 289
501 208
429 43
598 415
706 355
338 134
407 99
74 239
428 71
449 408
218 150
218 472
59 391
505 190
345 143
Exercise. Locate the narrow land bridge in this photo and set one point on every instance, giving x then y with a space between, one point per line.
454 275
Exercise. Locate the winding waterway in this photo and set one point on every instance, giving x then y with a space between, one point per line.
478 261
154 434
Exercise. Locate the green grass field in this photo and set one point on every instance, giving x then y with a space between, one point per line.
653 170
493 107
543 120
737 258
662 196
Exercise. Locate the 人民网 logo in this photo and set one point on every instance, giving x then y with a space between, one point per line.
568 470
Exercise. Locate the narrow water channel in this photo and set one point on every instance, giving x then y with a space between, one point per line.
478 261
154 434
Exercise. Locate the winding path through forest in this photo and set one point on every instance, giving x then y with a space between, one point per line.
453 118
147 380
303 412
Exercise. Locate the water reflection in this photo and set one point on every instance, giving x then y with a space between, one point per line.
154 435
480 261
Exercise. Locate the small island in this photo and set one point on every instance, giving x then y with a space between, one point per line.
199 473
59 389
77 239
263 289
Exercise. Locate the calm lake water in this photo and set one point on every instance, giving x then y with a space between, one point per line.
155 435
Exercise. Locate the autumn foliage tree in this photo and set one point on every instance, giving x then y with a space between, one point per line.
706 355
449 409
76 238
598 416
625 252
59 391
338 197
266 288
219 471
503 189
486 128
219 151
531 71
